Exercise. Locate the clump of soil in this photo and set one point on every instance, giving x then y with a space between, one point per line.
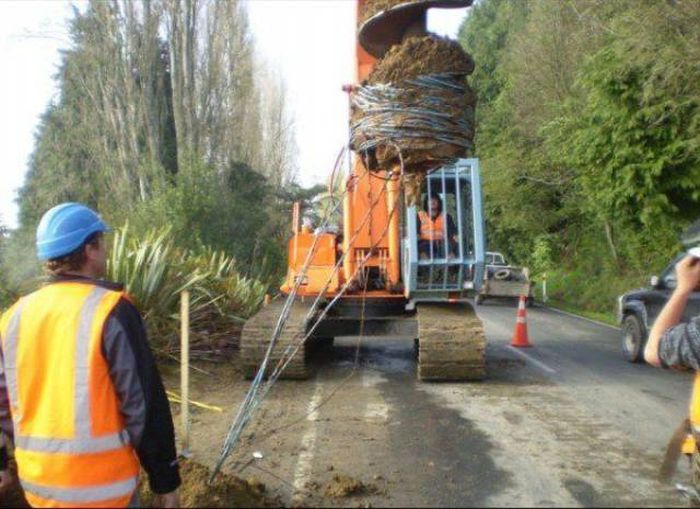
421 55
372 7
342 486
226 491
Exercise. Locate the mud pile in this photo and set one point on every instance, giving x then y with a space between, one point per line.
342 486
416 107
226 491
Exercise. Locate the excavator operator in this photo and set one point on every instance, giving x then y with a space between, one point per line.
431 230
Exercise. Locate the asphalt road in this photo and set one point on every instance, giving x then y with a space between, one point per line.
567 422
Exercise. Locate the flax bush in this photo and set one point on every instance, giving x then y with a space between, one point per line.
155 272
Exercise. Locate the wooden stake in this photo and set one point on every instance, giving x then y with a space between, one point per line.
185 370
544 288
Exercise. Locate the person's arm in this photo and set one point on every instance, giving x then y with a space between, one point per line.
4 459
142 397
6 477
682 339
6 427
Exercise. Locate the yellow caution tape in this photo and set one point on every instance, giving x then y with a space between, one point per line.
175 398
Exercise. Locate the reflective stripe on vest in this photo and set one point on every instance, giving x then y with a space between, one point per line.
83 495
431 229
86 468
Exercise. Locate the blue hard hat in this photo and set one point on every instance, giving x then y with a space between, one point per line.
64 228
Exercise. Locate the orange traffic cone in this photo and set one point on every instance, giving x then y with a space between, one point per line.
520 333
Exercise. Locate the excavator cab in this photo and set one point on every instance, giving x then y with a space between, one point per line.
449 269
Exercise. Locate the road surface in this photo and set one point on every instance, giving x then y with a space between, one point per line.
567 422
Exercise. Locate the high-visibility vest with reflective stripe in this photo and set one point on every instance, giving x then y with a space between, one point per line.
431 229
71 445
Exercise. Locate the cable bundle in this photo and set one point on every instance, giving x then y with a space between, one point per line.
416 100
427 117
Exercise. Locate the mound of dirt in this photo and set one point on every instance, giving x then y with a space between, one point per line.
342 486
418 56
226 491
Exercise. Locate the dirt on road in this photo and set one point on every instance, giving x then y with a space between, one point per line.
226 490
370 434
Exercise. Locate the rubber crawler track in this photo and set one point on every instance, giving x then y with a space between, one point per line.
451 343
257 333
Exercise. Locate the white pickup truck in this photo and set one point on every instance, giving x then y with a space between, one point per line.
504 280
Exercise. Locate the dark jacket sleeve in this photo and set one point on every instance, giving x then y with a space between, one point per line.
142 397
4 463
5 416
680 345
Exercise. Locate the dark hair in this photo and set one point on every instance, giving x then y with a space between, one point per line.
433 197
74 260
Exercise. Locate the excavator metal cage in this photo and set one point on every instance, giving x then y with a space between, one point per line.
451 268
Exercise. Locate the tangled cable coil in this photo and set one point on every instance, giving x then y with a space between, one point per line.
429 118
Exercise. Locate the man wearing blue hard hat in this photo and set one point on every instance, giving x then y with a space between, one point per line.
80 394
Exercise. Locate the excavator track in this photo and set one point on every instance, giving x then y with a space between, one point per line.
257 332
451 343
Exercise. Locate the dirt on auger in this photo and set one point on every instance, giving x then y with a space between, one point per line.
419 56
372 7
417 92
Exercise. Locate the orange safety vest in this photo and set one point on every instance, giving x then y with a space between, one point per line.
71 444
431 229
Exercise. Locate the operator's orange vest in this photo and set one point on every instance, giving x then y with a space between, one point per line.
431 229
71 445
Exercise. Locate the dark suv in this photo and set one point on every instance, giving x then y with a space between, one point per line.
638 309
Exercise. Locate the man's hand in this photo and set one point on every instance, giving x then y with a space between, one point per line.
6 480
688 274
167 500
688 277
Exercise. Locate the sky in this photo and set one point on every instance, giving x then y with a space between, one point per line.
311 42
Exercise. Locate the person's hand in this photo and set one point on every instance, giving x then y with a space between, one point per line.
688 274
167 500
6 480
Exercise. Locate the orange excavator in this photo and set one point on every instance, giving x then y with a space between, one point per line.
371 278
